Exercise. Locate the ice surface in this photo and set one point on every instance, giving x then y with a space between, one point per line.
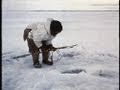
94 61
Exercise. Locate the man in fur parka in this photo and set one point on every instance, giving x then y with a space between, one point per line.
39 37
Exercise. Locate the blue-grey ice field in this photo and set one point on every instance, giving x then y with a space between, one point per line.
91 65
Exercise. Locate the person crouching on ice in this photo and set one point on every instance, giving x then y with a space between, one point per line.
39 36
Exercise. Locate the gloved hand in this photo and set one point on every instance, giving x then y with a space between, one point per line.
51 48
48 47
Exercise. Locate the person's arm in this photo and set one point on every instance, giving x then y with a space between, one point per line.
51 47
47 45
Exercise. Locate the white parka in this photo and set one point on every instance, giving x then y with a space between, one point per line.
40 32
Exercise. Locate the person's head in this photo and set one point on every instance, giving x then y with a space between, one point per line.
55 27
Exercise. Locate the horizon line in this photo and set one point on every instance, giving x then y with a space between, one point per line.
61 10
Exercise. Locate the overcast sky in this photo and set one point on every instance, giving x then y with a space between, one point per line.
60 4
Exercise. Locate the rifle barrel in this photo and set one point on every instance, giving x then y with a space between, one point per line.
67 47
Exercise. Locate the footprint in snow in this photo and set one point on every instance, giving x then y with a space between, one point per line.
75 71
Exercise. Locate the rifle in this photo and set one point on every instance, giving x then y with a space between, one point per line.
24 55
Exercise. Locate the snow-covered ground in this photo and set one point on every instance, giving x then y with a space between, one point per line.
92 65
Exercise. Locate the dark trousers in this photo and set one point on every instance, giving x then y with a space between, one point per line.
34 50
